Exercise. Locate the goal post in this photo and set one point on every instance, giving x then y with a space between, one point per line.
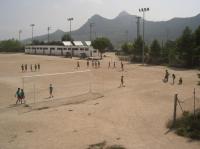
65 84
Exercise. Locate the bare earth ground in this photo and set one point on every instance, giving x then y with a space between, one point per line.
134 116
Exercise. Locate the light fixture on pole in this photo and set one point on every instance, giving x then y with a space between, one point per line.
143 10
48 29
32 26
20 31
70 25
91 25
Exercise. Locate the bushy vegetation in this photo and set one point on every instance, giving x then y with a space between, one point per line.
11 45
188 125
102 44
103 145
183 52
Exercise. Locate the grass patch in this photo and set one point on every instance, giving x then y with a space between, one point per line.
187 125
115 147
42 108
102 145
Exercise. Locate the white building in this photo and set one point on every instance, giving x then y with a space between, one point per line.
77 48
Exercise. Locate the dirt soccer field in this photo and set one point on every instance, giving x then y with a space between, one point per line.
84 112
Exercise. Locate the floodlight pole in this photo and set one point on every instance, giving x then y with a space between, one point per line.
32 26
70 25
91 25
48 29
138 26
20 31
143 10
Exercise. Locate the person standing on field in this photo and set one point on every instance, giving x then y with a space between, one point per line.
35 67
114 65
22 96
78 65
50 91
22 67
88 63
122 81
173 77
38 67
25 67
122 66
166 76
109 65
17 95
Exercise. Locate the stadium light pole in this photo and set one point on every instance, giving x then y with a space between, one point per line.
91 25
20 31
143 10
32 26
48 29
138 26
70 25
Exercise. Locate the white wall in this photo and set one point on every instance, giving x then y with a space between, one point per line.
59 50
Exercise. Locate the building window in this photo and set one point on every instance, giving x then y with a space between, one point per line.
81 49
74 49
52 48
69 48
86 49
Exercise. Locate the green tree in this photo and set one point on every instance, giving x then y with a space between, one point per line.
137 46
67 37
197 47
126 48
155 49
197 36
185 47
11 45
169 52
101 44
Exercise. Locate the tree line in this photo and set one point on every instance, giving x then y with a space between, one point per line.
182 52
11 45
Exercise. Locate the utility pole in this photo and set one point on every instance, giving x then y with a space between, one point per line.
143 10
70 26
20 31
48 29
32 26
138 26
91 25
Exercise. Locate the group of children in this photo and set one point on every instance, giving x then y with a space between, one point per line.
114 65
36 67
94 63
166 78
20 96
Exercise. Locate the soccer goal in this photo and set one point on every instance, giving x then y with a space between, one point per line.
65 84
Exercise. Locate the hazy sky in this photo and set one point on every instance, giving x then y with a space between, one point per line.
19 14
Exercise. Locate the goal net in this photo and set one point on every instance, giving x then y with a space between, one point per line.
66 84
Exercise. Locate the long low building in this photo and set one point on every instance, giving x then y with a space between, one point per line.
75 48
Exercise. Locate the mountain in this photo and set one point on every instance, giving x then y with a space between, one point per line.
124 25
